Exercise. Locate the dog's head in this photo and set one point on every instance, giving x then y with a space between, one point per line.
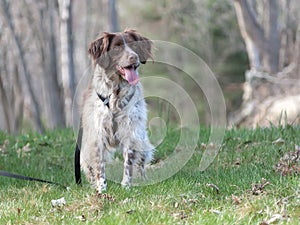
121 53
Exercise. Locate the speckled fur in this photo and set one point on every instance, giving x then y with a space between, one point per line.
122 125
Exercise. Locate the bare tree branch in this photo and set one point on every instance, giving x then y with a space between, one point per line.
249 24
26 77
265 40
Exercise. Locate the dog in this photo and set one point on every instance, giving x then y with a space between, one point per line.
114 114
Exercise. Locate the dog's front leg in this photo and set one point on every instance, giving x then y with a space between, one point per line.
101 179
128 156
142 169
100 176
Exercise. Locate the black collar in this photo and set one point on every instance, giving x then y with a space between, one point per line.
104 100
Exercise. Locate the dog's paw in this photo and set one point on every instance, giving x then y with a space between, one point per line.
126 184
100 190
101 185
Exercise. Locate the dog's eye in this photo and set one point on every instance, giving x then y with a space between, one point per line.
117 47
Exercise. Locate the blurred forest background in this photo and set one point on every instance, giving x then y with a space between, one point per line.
252 46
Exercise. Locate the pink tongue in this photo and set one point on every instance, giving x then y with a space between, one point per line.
131 75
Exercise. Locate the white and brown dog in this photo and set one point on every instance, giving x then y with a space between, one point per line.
114 114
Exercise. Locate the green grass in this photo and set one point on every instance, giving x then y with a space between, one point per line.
220 195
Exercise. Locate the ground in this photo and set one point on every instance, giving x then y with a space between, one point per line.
253 180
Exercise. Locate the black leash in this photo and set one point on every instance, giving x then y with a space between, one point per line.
76 160
77 157
76 163
22 177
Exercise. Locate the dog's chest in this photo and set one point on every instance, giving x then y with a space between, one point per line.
113 127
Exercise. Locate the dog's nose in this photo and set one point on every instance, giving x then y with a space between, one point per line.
133 58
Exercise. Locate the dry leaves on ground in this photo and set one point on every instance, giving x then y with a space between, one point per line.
260 187
289 164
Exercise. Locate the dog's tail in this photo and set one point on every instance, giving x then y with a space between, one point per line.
77 157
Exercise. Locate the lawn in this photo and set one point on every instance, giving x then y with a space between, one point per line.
253 180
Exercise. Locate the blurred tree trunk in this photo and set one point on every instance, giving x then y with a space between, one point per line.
67 65
271 90
262 43
27 84
52 92
113 16
18 100
6 107
42 29
12 93
13 113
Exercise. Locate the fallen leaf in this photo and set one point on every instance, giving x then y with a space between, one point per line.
26 148
152 203
237 162
279 141
289 164
215 211
130 211
213 186
81 218
3 148
193 200
180 215
58 202
106 197
259 188
236 200
203 145
176 205
125 201
275 218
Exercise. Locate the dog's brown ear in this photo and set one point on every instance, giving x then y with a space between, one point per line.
144 46
99 47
